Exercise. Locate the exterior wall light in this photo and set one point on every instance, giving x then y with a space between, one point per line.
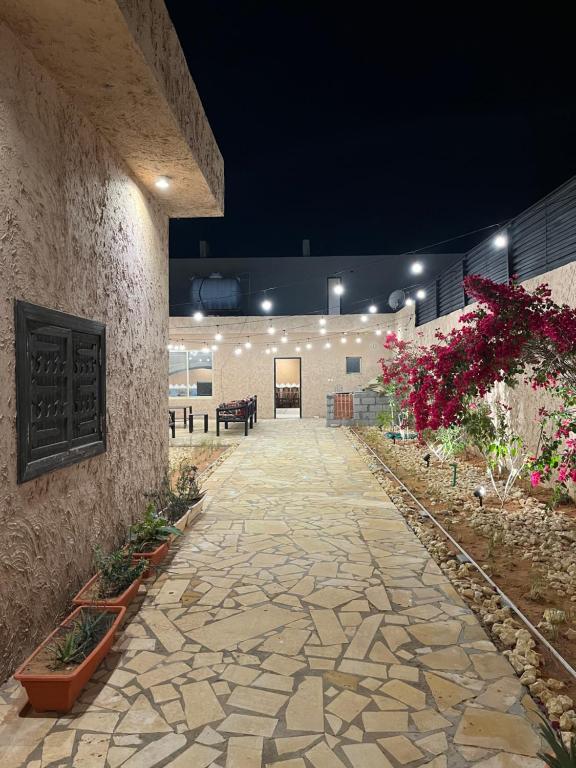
308 346
198 315
162 182
358 340
421 293
322 321
343 339
238 351
372 309
271 330
266 305
409 301
322 331
339 289
417 268
248 344
364 318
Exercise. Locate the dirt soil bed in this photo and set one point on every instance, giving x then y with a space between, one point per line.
202 455
526 548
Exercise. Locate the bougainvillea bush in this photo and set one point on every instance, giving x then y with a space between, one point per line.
511 335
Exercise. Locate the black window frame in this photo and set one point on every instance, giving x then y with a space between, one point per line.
82 339
354 357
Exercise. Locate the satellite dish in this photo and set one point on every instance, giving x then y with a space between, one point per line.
396 299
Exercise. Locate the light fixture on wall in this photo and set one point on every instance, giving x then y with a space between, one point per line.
421 293
297 349
198 315
308 345
364 318
214 347
338 289
218 336
271 330
238 351
417 268
274 349
248 344
327 345
162 182
378 332
500 241
358 340
323 331
267 350
372 309
266 304
322 321
205 348
409 301
343 339
284 338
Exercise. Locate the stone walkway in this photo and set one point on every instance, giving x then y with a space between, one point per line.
299 624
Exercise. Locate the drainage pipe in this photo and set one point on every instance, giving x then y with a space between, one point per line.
538 635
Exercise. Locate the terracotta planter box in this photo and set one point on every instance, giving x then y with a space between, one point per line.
154 558
57 691
83 597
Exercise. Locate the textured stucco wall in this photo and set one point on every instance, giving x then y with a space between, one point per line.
78 235
323 370
524 401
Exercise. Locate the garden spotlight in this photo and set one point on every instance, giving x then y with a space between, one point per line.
480 492
427 458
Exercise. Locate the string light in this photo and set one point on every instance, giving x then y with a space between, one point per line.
322 321
284 338
500 241
198 315
338 289
266 304
218 336
327 345
343 339
372 309
378 332
248 344
323 331
271 330
364 318
409 301
421 293
358 340
238 351
417 268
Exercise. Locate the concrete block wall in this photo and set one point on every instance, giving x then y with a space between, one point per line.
366 405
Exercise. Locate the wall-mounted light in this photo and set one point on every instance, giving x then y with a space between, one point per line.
323 331
364 318
500 241
417 268
271 330
162 182
284 338
378 332
308 345
248 344
358 340
409 301
218 336
372 309
214 347
205 349
338 289
297 349
343 339
322 321
198 315
274 349
420 293
267 350
238 351
266 305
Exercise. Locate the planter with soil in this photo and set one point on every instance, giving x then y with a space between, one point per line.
90 594
154 553
57 671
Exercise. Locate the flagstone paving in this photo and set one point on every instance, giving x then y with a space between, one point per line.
299 624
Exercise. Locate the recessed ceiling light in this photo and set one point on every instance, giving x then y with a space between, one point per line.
162 182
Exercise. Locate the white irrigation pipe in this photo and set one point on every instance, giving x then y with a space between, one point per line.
571 671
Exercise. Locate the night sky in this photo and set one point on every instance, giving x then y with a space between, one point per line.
375 134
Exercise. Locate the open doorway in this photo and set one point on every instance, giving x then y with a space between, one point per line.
287 388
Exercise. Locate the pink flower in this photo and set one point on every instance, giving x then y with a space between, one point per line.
562 473
535 478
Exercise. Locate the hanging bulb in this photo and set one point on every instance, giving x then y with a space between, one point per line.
322 321
372 309
358 340
248 344
271 330
343 339
266 305
284 338
198 315
218 336
378 332
323 331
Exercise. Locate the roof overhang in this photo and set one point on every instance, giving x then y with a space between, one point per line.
122 64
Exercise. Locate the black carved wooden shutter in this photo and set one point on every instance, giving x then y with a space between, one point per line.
86 396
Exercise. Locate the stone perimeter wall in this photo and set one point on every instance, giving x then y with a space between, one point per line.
77 235
525 401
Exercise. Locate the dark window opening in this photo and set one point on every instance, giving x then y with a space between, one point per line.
60 388
353 364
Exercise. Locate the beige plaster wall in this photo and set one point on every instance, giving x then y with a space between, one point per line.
78 235
252 372
525 401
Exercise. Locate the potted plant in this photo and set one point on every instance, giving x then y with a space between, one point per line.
60 667
150 539
561 756
117 581
185 499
